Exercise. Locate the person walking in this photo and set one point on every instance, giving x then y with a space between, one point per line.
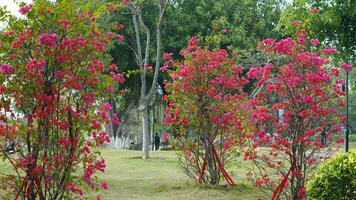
157 141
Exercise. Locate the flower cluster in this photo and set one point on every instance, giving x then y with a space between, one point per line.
50 87
206 96
294 115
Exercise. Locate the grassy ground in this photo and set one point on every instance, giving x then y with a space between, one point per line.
158 178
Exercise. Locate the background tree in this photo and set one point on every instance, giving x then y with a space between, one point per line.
142 57
228 24
333 23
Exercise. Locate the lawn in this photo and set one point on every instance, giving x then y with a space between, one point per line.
158 178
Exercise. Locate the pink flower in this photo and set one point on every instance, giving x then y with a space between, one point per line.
193 43
254 72
63 21
40 65
63 142
110 34
223 30
148 67
310 132
100 165
346 67
6 69
329 51
120 37
115 119
113 67
303 114
266 45
340 140
95 124
126 2
296 23
58 74
285 46
261 133
314 42
167 56
104 185
121 78
110 89
49 40
335 71
307 99
107 106
24 9
117 77
165 137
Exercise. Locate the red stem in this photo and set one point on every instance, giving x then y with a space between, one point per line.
222 169
281 185
203 169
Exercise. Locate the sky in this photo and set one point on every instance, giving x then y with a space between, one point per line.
12 7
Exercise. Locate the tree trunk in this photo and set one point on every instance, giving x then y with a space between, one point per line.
142 58
145 132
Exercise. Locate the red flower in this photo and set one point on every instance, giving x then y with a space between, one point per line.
120 37
315 42
296 23
223 30
340 140
119 26
285 46
329 51
167 56
24 9
6 69
346 67
110 89
113 67
104 185
115 119
49 40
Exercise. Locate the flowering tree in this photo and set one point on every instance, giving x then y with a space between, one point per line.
53 85
206 99
294 114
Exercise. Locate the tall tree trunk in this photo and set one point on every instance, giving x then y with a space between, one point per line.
142 61
146 133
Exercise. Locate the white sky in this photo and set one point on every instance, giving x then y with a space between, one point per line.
12 7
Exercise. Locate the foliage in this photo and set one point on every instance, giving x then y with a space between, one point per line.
294 114
334 179
53 82
206 99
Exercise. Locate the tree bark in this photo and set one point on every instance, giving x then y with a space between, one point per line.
145 98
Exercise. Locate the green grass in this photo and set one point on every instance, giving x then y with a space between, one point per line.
158 178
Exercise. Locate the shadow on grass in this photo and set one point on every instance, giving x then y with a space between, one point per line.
158 188
140 158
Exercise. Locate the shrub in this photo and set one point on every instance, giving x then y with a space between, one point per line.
206 99
335 179
53 82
